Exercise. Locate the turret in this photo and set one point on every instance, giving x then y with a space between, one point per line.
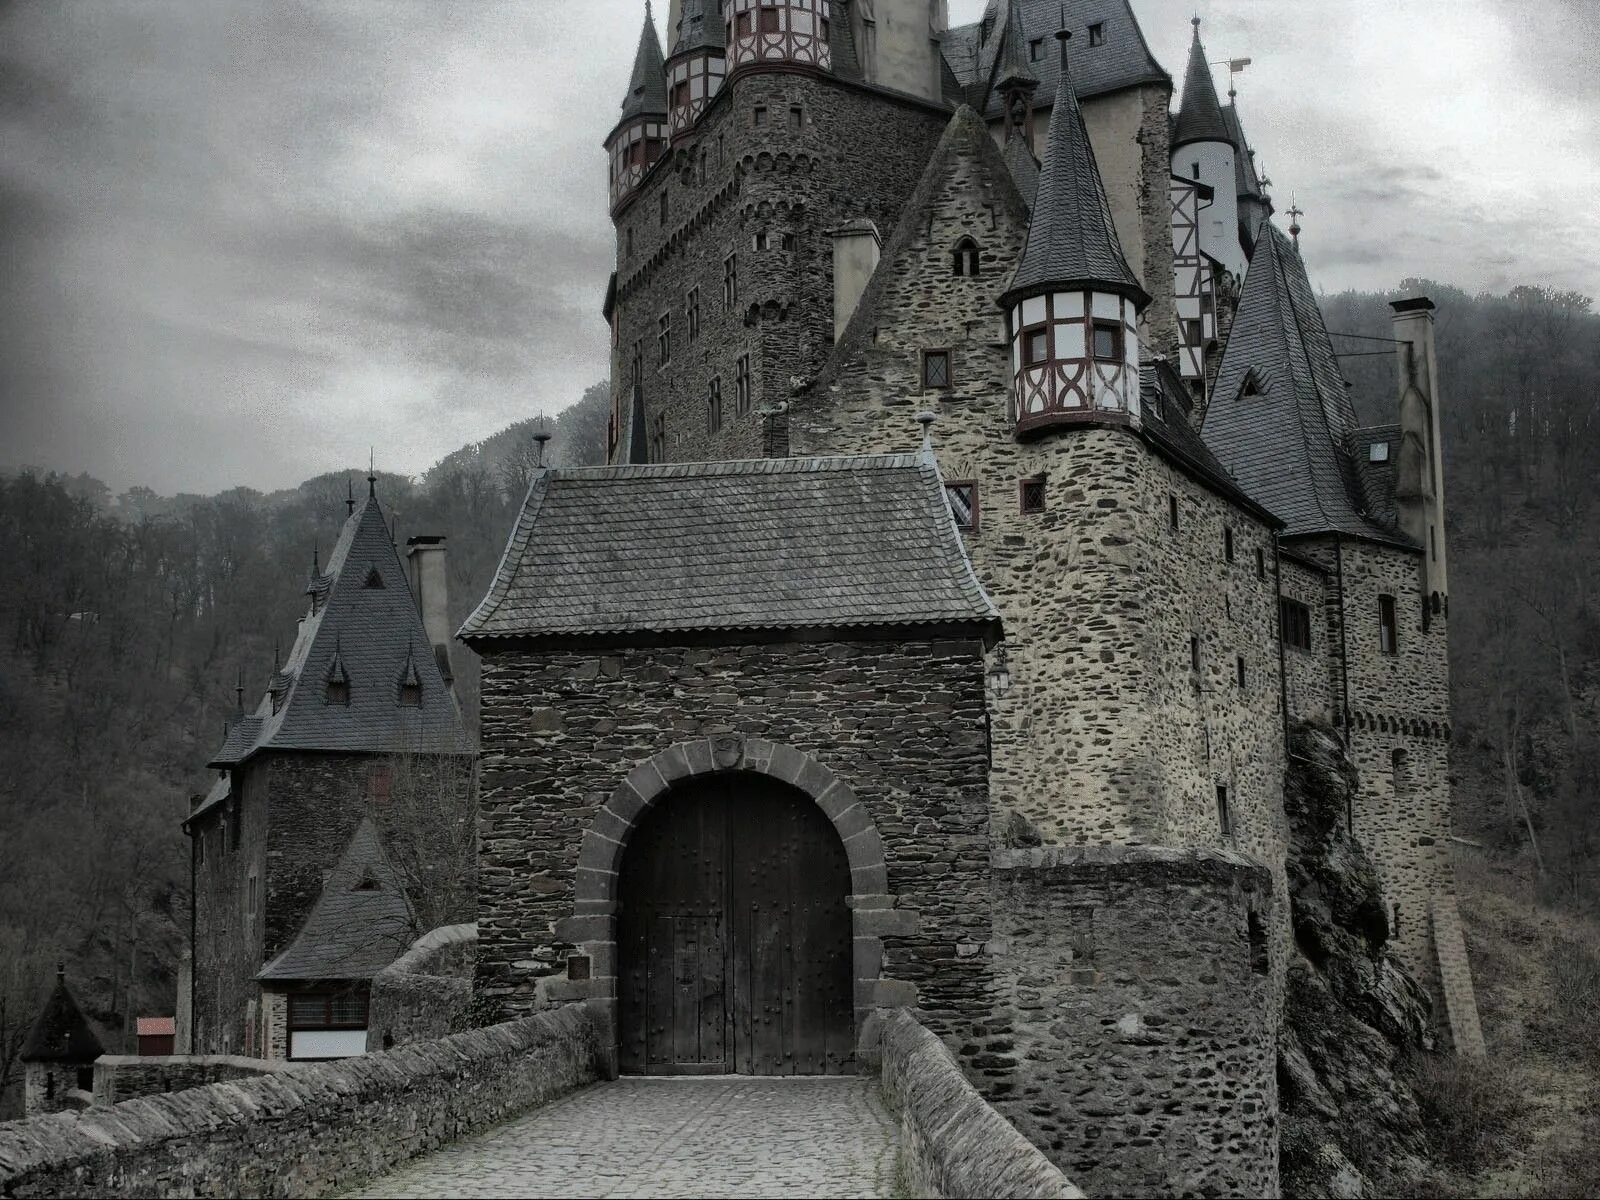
696 67
1072 307
640 136
1419 473
1014 81
778 31
1203 150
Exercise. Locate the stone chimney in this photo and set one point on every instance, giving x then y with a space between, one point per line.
855 258
1419 471
425 558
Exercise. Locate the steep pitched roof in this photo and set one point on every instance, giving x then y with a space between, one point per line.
1286 443
1011 67
360 923
1246 179
777 544
1165 405
60 1033
647 87
367 628
698 28
1123 59
1071 238
1024 168
1200 113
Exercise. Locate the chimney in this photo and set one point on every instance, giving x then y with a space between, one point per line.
1419 471
855 258
425 558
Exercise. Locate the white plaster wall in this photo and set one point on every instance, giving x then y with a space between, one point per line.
904 41
1219 224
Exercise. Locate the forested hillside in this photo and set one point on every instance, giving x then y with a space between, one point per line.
128 620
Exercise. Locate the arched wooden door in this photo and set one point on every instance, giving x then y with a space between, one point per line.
734 936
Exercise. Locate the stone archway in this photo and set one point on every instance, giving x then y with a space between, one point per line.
593 925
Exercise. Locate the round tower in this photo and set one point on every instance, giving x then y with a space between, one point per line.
1203 150
696 66
1073 306
778 31
639 137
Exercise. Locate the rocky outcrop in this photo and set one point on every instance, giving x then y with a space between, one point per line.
1352 1016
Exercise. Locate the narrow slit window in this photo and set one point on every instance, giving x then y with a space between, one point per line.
664 337
1172 510
1224 812
1388 629
1194 651
1261 563
741 386
658 439
714 404
797 118
1240 667
1227 542
692 308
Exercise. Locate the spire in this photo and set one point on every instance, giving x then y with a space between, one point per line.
647 89
238 692
700 27
1011 70
1295 213
372 474
1200 117
350 497
1071 238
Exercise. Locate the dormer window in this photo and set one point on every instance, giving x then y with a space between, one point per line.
411 695
1036 49
339 691
374 580
1097 34
966 258
1378 452
1252 385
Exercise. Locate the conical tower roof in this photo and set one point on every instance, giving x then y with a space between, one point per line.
1011 69
1200 117
61 1034
700 27
647 88
1072 239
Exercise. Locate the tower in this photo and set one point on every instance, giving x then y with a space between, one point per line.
778 31
58 1055
1072 307
1203 150
639 137
697 65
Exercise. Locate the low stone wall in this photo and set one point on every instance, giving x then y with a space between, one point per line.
315 1129
119 1077
951 1142
422 993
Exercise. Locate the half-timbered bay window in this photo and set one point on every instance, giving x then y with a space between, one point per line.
777 31
1075 356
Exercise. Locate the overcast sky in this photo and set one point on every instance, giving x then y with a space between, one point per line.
240 241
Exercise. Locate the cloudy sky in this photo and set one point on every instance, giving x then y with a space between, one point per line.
240 242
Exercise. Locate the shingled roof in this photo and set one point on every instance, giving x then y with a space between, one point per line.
1011 69
1245 177
770 544
1123 59
1072 239
61 1033
360 923
1200 113
698 29
647 87
366 627
1280 415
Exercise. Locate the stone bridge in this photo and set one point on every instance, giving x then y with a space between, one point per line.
522 1109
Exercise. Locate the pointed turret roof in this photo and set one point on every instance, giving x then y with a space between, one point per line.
1280 415
366 621
1071 238
700 27
61 1034
1024 168
360 923
1011 69
1200 116
647 87
1244 163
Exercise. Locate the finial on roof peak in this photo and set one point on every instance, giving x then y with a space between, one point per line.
1295 213
926 420
350 496
238 691
372 473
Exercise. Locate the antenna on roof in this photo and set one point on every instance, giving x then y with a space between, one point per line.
1295 213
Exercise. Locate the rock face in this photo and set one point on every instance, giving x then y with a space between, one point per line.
1352 1015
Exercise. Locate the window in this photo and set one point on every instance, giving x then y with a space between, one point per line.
373 580
1224 813
325 1025
1227 542
1032 496
1261 563
1378 452
797 118
663 209
741 25
963 497
741 386
1108 341
935 369
1172 511
791 241
1035 346
339 690
411 694
761 242
1194 651
1097 34
680 94
1193 332
658 438
1388 630
664 338
253 885
1295 619
1036 49
380 782
714 404
1252 385
1241 670
692 307
769 19
730 280
966 257
758 117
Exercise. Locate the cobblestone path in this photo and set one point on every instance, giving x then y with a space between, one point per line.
720 1136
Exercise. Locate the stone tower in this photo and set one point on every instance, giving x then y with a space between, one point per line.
58 1055
1203 150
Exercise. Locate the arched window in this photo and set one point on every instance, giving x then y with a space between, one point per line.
965 257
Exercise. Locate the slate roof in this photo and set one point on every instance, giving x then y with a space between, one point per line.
647 87
374 634
220 791
60 1033
1377 479
842 48
1246 180
1287 445
1071 238
1200 113
1124 60
770 544
1024 168
697 30
1011 67
360 923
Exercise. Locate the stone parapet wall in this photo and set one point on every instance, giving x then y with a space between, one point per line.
119 1077
1135 1033
424 992
952 1143
315 1129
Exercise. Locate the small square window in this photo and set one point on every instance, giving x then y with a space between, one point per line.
758 116
1378 452
1107 341
963 497
797 118
935 369
1035 346
1036 49
411 695
1033 495
1097 34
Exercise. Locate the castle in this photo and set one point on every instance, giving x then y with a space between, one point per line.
796 712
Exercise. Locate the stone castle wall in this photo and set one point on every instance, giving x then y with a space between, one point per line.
1135 1035
899 724
854 153
119 1077
1307 677
49 1087
424 992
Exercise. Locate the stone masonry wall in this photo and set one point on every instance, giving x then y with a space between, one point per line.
313 1130
855 153
227 950
901 723
119 1077
49 1087
424 992
1308 682
952 1143
1135 1038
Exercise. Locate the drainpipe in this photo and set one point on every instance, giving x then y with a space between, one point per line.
188 829
1344 671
